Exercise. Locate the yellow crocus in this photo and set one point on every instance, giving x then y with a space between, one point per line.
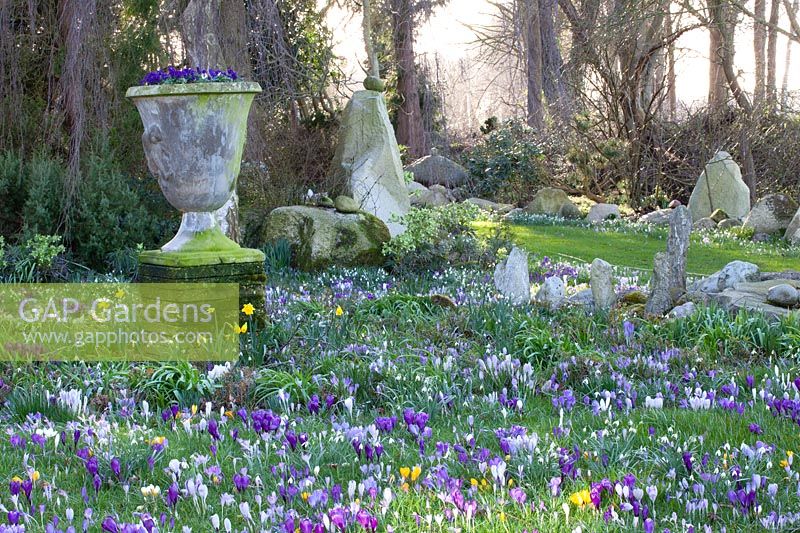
415 473
581 498
405 472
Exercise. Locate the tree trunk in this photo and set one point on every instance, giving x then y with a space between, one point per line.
672 93
772 53
717 84
409 117
788 60
759 44
555 86
533 63
726 56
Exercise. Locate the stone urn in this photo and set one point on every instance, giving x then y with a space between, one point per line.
193 139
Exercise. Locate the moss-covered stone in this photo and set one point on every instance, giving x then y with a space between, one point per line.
209 247
718 215
373 83
321 238
345 204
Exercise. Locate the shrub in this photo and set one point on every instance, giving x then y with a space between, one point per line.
435 238
34 260
507 163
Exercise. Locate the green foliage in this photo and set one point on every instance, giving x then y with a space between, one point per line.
24 401
111 212
507 162
166 383
436 237
277 255
32 261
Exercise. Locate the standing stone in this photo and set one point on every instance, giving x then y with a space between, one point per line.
511 277
552 292
720 186
602 284
367 159
771 214
669 272
601 212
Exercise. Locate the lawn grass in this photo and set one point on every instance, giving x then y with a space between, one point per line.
636 250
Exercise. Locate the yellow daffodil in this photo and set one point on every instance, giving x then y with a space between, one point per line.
405 472
339 310
248 309
120 293
415 472
241 329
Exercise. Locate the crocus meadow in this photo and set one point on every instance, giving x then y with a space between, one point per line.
363 403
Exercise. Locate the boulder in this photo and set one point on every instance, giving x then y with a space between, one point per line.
414 187
683 310
487 205
771 214
550 201
345 204
783 295
793 231
753 296
570 210
704 224
729 223
552 293
600 212
320 238
718 215
584 298
669 270
659 217
720 186
602 284
731 274
634 298
429 198
438 170
441 189
674 203
367 159
511 277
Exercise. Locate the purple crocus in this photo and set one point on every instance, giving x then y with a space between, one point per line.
213 429
241 480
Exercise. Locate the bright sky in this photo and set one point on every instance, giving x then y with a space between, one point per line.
447 33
